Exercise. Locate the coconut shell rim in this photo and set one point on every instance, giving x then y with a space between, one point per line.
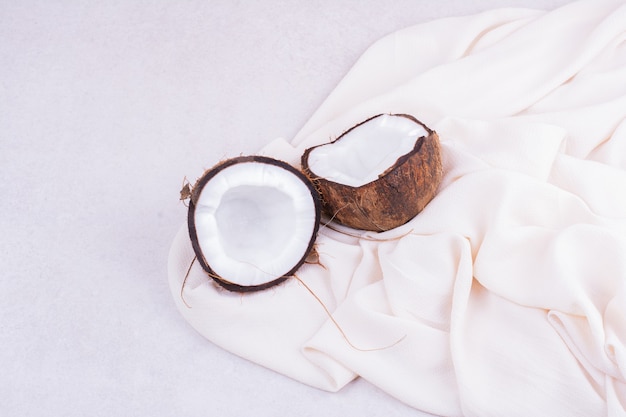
197 189
402 159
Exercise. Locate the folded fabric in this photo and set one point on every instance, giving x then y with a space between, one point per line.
506 296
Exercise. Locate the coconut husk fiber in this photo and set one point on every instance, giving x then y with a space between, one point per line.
507 293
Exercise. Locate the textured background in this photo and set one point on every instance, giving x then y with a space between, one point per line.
104 109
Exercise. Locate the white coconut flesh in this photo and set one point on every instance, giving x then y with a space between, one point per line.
366 151
254 221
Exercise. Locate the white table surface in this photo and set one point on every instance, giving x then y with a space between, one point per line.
104 108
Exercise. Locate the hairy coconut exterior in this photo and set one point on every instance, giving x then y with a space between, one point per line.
197 189
399 193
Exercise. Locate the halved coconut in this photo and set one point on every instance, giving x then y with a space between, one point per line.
252 222
379 174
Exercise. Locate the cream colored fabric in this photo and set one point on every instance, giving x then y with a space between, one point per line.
507 294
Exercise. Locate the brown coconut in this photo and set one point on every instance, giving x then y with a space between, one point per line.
251 203
396 196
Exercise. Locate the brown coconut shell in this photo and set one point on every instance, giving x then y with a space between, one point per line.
195 193
397 196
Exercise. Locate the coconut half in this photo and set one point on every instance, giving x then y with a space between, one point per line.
252 222
379 174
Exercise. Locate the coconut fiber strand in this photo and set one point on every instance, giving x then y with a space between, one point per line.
507 294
